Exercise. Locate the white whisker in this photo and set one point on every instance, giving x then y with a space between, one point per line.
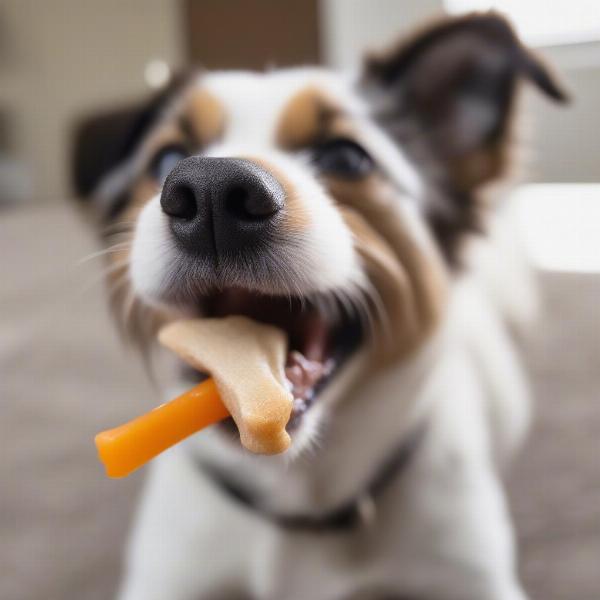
110 250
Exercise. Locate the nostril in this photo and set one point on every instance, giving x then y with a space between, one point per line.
235 202
179 202
249 205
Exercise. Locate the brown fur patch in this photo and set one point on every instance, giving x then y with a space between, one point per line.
305 119
401 262
205 115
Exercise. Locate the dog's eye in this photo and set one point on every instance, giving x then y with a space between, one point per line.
344 158
165 160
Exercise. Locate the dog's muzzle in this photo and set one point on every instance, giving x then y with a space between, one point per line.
220 207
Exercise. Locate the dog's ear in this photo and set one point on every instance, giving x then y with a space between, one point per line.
102 141
452 88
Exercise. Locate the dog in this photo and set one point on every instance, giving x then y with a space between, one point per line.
358 213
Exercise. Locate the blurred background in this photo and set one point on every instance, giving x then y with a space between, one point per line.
64 374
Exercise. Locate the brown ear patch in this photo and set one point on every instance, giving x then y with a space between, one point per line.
305 119
450 97
456 81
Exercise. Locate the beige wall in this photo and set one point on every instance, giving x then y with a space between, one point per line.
62 57
59 58
350 27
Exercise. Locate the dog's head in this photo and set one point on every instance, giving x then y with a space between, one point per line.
333 208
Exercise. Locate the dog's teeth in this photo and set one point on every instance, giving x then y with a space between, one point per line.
294 373
299 405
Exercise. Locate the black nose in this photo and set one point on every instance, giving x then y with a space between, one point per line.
219 206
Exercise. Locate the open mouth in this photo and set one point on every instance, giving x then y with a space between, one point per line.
318 342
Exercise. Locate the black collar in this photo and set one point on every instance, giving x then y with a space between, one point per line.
357 511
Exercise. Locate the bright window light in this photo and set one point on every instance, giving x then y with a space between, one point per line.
560 225
543 22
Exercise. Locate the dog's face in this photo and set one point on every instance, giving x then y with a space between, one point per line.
331 208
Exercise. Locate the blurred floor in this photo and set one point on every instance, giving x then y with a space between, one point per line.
555 484
64 376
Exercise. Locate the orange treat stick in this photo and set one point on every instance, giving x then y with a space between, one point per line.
124 449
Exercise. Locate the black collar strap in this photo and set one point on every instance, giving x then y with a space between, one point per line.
360 510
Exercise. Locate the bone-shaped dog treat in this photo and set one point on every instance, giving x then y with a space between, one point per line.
246 360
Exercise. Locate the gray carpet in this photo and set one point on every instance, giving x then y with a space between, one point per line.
64 376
